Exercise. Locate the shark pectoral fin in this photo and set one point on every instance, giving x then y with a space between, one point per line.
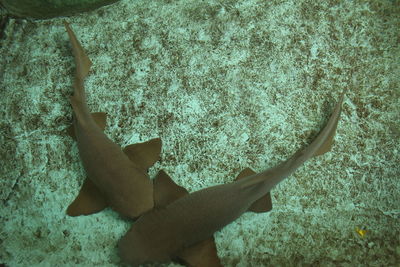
144 154
201 254
99 117
89 200
166 190
263 204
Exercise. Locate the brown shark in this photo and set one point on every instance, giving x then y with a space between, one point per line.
179 227
116 177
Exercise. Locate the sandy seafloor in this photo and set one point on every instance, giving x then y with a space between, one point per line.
226 85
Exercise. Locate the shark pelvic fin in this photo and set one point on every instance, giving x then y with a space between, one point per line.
200 254
263 204
99 117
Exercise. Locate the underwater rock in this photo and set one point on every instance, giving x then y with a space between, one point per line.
45 9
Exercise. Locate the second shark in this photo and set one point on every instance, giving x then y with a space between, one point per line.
116 177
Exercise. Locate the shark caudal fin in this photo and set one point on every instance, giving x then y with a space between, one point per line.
320 145
83 63
264 203
326 146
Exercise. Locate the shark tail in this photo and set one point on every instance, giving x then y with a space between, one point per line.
83 64
320 145
326 145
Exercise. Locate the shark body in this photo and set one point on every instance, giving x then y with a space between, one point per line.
173 224
174 231
116 177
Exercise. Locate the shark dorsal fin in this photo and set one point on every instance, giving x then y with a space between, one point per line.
263 204
89 200
144 154
166 190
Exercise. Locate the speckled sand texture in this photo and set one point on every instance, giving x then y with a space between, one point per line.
226 85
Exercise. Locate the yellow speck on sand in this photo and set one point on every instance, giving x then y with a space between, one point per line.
361 232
